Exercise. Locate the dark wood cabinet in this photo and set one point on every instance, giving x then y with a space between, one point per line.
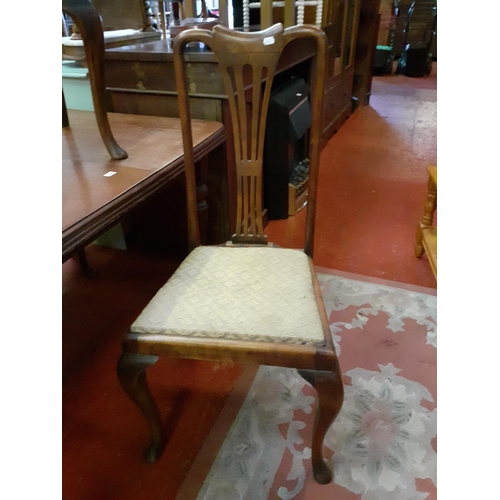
341 27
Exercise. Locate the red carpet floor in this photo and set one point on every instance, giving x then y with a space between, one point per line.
372 192
373 184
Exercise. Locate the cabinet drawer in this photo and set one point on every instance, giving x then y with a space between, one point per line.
330 106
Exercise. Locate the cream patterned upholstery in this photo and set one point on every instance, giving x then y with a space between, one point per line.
238 293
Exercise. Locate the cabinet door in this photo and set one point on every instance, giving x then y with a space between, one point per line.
351 29
341 12
346 16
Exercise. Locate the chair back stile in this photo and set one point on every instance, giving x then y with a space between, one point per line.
317 83
194 239
244 60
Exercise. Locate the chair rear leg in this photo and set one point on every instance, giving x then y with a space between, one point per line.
131 372
330 391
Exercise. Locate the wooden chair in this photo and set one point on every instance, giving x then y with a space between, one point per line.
246 301
88 22
426 231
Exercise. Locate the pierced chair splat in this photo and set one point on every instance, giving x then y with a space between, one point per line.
247 301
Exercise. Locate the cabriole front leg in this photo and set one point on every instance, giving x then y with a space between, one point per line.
330 391
131 372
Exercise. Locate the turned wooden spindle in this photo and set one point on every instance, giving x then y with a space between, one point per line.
427 229
429 210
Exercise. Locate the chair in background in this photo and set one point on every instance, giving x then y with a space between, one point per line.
88 22
426 231
247 301
94 201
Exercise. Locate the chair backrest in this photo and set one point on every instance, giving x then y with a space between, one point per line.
250 58
88 22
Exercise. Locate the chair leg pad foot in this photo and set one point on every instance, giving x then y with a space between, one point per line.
153 453
322 473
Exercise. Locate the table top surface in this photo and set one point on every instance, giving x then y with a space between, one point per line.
160 50
92 182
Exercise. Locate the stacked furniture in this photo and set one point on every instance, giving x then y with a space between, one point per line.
102 181
123 23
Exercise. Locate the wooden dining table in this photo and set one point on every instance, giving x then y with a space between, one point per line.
98 191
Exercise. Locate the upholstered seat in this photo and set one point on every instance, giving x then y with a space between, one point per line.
239 293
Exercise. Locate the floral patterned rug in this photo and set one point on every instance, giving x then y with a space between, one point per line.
382 446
